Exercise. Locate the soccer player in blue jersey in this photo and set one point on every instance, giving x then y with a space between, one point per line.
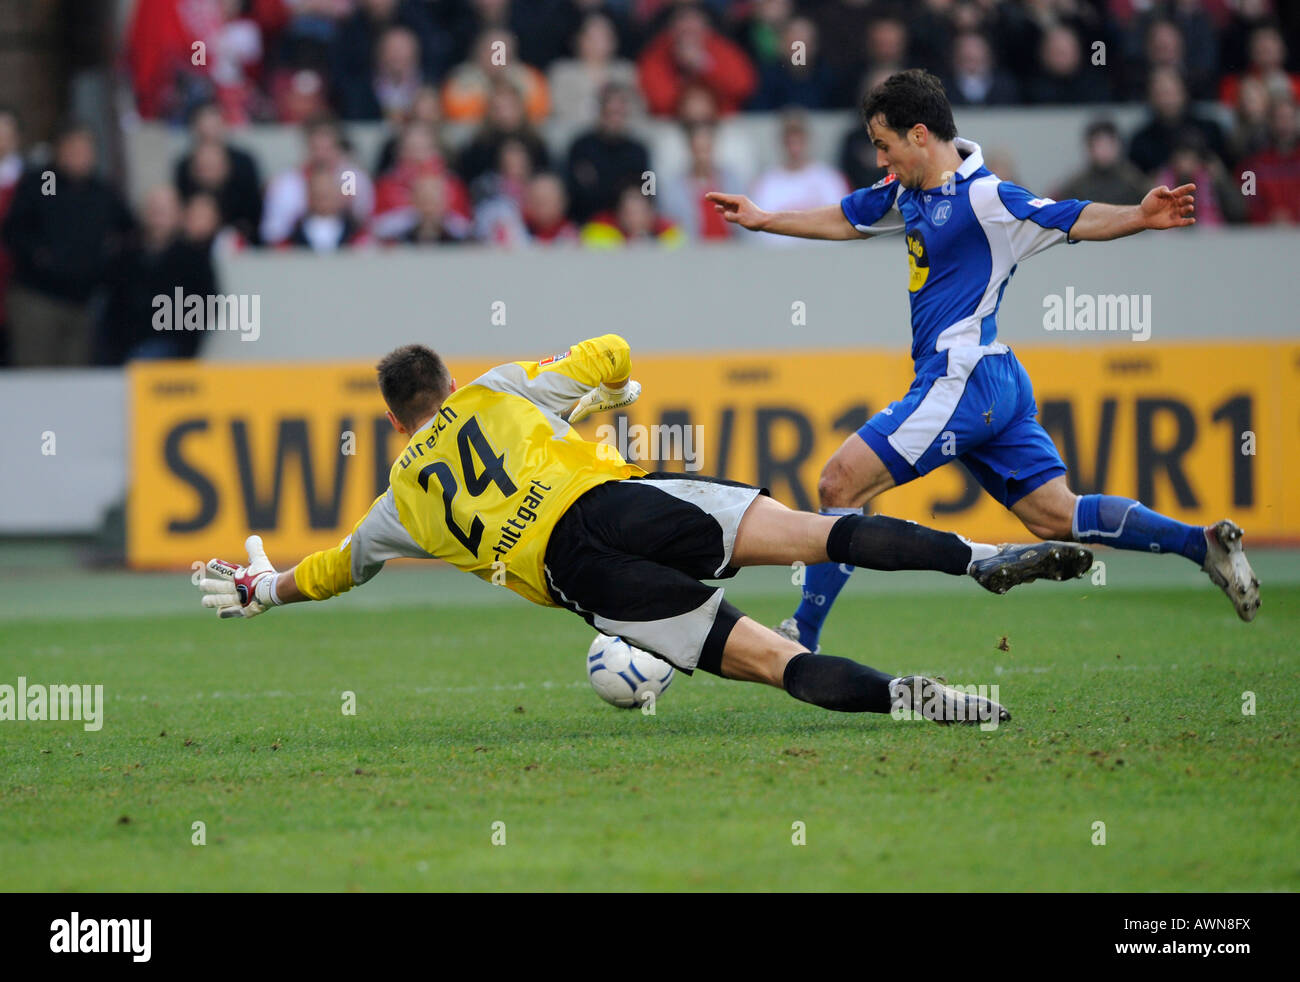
965 231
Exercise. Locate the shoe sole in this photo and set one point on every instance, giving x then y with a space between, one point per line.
1245 599
1048 561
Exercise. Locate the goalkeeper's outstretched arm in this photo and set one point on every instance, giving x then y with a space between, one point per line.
246 591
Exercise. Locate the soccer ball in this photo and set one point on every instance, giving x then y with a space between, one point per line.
625 676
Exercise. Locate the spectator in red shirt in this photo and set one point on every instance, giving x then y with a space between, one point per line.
690 51
179 52
1277 169
159 51
1218 197
683 198
435 223
418 156
1268 64
546 206
234 61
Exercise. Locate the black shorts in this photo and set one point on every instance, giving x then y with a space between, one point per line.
628 557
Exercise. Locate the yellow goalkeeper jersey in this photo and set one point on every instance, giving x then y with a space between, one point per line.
483 483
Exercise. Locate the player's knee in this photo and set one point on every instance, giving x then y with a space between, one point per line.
1049 511
835 488
1048 529
1053 524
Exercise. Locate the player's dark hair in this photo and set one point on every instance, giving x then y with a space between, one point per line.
907 98
413 381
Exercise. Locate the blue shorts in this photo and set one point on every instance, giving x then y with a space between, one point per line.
975 405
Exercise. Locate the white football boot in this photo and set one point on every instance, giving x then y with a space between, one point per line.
1226 564
789 628
943 704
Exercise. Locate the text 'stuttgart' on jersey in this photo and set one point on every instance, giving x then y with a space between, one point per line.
482 484
964 240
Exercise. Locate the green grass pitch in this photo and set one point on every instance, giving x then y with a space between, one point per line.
473 709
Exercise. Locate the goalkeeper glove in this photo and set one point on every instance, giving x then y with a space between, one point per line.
241 591
602 397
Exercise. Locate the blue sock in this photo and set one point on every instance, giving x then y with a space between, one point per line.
1127 524
822 584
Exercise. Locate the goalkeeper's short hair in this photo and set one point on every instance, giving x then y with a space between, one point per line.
414 381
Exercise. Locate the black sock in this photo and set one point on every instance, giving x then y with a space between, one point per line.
837 683
881 542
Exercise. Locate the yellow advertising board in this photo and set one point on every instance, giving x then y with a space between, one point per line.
296 452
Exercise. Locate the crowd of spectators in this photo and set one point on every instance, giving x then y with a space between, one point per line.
503 70
290 60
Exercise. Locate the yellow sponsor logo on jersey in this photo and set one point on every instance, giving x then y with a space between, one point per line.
918 263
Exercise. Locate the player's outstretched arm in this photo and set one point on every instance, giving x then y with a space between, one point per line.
815 223
246 591
1160 209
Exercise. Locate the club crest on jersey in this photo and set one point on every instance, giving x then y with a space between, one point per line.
554 358
942 212
885 181
918 261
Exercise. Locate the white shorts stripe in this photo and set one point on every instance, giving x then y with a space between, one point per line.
726 503
679 639
918 432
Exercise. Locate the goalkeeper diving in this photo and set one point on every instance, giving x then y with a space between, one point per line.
495 480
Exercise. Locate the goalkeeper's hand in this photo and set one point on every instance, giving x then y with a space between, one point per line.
241 591
602 397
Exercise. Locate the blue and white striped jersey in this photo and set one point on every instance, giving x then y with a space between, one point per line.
963 244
